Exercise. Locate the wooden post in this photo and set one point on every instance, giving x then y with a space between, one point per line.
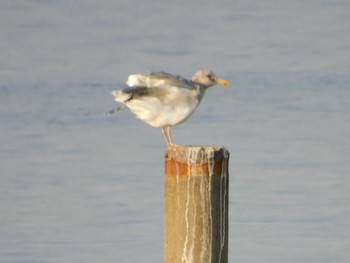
196 204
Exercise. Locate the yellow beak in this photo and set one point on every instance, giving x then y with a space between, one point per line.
222 82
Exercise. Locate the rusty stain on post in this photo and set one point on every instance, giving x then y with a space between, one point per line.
196 204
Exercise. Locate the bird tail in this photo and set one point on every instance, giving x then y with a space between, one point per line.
115 110
121 96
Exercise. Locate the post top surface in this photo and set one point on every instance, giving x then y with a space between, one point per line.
196 154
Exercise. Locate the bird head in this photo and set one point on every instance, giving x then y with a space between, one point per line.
208 78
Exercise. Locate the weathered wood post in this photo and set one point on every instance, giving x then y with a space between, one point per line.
196 204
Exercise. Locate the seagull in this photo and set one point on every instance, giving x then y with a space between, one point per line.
164 100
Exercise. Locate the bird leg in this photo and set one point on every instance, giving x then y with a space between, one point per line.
167 134
168 129
164 131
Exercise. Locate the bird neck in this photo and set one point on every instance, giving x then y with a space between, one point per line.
201 90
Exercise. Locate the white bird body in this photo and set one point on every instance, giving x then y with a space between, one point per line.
164 100
163 108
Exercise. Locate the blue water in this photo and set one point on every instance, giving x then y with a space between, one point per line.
76 186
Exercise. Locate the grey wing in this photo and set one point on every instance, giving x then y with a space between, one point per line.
138 92
170 80
158 80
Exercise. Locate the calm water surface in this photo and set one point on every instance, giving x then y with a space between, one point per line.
78 187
